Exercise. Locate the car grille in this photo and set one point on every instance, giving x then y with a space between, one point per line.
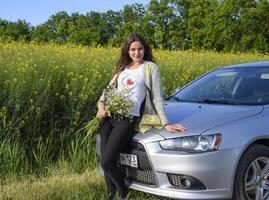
143 176
143 173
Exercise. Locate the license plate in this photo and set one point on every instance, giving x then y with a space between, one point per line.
128 159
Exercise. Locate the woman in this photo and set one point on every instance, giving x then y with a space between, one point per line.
136 72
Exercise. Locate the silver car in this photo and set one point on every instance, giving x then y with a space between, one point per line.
225 152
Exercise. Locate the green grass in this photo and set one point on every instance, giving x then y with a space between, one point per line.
63 184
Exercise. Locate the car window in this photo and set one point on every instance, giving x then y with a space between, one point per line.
248 86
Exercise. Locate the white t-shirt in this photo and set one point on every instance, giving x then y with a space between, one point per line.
132 82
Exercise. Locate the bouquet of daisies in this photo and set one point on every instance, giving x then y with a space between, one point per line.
117 107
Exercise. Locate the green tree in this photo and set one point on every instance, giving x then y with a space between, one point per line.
130 21
262 19
229 24
242 25
87 30
202 27
111 21
20 30
159 16
55 29
179 37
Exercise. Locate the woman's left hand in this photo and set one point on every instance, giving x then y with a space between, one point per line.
175 128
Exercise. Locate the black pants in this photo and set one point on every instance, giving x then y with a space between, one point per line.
115 135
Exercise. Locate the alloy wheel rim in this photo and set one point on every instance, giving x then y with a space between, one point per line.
257 179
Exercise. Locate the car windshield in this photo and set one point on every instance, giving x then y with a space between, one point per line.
244 85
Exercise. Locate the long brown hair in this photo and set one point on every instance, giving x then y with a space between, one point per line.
125 58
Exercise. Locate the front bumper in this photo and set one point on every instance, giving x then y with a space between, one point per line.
214 169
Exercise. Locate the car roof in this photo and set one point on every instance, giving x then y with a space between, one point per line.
264 63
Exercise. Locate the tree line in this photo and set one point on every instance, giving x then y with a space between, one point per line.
220 25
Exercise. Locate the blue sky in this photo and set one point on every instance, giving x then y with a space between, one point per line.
38 11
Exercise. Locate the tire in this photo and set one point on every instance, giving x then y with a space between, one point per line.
252 174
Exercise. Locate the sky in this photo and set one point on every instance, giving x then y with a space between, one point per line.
38 11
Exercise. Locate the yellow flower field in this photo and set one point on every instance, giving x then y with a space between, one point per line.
49 92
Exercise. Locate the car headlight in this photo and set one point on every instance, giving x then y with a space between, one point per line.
198 143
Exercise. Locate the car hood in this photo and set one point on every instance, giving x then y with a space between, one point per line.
198 117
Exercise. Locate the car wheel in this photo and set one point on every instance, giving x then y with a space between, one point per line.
252 174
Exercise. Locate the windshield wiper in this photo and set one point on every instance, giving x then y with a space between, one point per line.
209 101
219 101
177 99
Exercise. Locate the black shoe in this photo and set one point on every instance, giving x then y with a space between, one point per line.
111 196
126 197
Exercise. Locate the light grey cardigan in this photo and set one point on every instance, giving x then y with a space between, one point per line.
153 113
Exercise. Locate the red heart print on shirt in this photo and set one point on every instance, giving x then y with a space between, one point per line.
130 82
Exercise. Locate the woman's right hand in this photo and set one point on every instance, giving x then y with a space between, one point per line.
101 113
175 128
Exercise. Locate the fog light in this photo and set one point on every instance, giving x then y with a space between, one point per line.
185 183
